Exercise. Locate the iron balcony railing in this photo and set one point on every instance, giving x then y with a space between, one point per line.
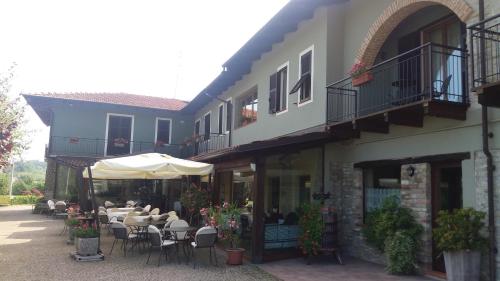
94 147
429 72
485 51
203 144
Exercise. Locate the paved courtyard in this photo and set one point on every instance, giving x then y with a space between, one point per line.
31 249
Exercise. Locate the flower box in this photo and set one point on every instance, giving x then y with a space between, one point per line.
362 79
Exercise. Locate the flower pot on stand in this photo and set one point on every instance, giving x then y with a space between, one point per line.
87 246
362 79
235 256
462 265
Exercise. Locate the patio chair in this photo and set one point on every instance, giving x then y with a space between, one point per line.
205 238
156 241
104 220
155 211
102 209
147 208
120 231
108 204
171 219
60 209
443 90
51 207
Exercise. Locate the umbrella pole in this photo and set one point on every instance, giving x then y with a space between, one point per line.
94 206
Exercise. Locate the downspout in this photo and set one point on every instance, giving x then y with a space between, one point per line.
489 158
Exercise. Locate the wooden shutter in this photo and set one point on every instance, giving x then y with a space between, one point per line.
273 85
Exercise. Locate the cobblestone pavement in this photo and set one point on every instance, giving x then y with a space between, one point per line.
31 249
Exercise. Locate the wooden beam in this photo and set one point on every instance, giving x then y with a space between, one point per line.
447 109
374 124
414 160
412 116
258 211
344 131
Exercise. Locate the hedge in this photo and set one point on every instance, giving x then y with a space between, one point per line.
18 200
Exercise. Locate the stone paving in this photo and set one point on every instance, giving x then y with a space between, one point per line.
31 249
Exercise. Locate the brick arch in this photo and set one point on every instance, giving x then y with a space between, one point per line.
393 15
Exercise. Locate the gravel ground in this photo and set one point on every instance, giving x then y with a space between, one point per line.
31 249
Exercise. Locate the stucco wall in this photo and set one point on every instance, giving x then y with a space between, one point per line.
86 120
310 33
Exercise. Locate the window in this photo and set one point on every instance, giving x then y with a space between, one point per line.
247 108
278 90
380 183
305 77
207 126
163 131
221 119
197 128
229 114
119 134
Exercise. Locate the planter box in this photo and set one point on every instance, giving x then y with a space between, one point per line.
362 79
462 265
87 246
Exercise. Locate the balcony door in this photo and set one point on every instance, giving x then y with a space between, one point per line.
447 70
119 131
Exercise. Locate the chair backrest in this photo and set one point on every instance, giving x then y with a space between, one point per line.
155 211
147 208
108 204
103 217
179 235
60 207
102 209
205 237
51 204
154 236
120 231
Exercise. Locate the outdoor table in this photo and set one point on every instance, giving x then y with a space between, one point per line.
189 234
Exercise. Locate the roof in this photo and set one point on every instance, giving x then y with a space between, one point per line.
39 101
118 98
285 21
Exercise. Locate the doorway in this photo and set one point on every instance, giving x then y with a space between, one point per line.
446 195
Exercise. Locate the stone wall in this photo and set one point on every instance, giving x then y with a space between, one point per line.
416 195
50 178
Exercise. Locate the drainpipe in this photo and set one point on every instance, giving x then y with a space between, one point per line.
489 158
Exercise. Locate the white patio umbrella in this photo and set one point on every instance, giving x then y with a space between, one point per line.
147 166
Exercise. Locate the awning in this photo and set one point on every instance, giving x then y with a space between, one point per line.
147 166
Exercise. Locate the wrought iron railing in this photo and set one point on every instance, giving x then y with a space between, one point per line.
485 51
429 72
95 147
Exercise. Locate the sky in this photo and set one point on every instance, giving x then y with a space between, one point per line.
151 47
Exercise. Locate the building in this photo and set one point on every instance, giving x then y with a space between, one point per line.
284 123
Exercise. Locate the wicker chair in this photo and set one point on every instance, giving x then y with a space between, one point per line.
205 238
156 241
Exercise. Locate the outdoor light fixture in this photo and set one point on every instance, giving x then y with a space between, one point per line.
410 171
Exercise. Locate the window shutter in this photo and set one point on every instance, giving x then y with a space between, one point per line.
273 84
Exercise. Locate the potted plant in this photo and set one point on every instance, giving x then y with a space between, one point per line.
71 223
193 199
87 240
360 74
226 220
311 230
458 235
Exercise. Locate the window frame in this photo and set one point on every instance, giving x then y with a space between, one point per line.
220 119
280 68
169 129
108 114
310 99
205 125
253 90
231 116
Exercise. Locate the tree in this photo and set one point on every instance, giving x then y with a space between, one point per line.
11 121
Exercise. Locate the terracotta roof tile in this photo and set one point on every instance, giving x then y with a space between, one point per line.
119 98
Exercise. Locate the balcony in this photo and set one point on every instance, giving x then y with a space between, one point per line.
99 148
205 144
430 79
485 57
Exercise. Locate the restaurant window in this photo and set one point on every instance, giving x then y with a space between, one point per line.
163 131
380 183
247 108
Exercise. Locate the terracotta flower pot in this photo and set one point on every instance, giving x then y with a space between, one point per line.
235 256
362 79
